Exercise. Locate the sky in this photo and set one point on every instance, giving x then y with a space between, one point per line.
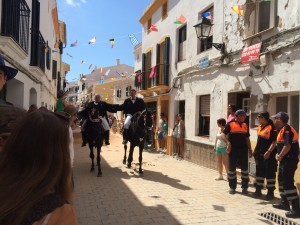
105 19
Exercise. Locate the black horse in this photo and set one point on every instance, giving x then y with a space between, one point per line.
137 133
95 136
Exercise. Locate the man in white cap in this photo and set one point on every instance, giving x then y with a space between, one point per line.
6 73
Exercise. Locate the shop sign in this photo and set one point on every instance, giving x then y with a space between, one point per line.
251 53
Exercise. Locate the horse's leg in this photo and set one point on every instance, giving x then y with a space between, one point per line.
141 146
130 157
125 150
92 156
98 161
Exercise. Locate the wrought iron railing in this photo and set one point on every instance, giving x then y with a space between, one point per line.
143 81
38 46
15 21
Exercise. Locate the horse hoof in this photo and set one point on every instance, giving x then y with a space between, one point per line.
129 165
141 172
124 162
99 175
92 169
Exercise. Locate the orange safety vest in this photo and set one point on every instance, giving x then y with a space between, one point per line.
264 132
235 127
280 138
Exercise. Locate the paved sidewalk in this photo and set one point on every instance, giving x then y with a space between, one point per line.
169 192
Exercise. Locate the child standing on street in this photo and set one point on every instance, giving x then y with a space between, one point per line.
220 148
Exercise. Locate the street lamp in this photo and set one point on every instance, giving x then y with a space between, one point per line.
203 28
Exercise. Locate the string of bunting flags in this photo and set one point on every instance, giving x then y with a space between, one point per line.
239 9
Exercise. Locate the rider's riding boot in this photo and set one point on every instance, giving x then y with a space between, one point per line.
295 211
106 137
125 136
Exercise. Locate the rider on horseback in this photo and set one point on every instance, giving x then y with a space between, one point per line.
131 106
102 108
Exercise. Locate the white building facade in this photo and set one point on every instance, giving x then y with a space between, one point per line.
30 32
201 81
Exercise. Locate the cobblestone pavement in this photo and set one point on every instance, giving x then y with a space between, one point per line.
169 192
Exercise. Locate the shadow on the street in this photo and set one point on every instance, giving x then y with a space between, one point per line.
108 200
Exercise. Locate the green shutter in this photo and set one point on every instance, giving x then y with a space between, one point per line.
166 61
143 71
157 77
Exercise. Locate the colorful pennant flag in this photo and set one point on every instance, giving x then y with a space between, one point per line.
69 55
101 69
46 50
82 62
238 9
153 28
112 42
74 44
133 39
207 15
90 66
182 19
177 21
92 41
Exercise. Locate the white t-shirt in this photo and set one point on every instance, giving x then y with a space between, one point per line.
220 141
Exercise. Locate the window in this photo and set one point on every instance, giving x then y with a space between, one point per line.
137 57
15 21
204 115
246 105
128 88
206 43
164 10
182 44
289 104
119 93
54 69
265 15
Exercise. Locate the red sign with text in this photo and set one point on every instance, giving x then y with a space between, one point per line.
251 53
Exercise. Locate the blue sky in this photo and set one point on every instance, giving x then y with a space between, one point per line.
104 19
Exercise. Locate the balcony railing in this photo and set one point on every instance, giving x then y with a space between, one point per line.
38 45
143 81
15 21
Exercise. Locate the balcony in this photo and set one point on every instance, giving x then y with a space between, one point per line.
154 79
15 28
38 45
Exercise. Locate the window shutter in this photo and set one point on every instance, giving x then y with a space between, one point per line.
205 105
48 58
166 61
54 69
143 71
157 77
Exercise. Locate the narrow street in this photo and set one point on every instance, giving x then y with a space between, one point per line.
169 192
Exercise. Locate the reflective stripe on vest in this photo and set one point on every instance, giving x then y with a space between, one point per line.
280 136
235 127
264 132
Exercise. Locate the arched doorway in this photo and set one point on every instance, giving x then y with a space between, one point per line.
32 96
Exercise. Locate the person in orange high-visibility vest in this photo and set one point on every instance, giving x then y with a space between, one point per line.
236 135
287 156
264 155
